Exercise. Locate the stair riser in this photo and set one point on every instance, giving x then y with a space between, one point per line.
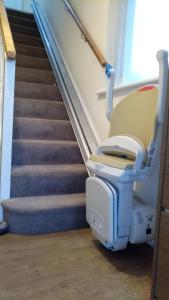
24 30
27 40
34 153
37 91
49 222
35 76
30 50
16 13
42 130
32 62
40 109
27 185
22 21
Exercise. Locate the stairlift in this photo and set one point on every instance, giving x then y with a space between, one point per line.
130 156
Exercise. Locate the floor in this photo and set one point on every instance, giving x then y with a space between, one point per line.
72 265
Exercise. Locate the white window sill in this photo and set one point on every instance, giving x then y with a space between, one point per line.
125 89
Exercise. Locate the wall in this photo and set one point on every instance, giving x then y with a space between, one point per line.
19 4
87 74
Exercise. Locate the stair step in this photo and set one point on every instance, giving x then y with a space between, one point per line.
22 21
27 50
32 62
35 75
28 108
41 180
41 129
17 28
27 40
45 214
37 91
21 14
34 152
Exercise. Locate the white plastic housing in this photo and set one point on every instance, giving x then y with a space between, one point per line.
142 223
101 210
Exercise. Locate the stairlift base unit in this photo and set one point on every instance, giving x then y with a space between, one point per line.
111 225
130 155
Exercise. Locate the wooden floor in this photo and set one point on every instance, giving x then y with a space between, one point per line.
71 266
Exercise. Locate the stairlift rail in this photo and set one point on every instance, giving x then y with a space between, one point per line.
109 70
162 57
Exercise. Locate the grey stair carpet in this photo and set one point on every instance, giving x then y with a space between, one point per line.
48 174
54 212
24 30
35 51
34 75
37 91
27 40
33 62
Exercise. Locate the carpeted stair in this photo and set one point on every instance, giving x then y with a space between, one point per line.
48 173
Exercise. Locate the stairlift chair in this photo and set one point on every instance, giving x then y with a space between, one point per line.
130 155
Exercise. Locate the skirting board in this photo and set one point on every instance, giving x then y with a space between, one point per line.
83 129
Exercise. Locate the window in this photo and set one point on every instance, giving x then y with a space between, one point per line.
150 32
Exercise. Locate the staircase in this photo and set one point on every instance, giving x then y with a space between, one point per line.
48 173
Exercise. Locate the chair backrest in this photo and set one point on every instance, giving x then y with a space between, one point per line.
136 114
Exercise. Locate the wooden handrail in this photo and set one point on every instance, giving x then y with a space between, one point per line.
86 34
7 35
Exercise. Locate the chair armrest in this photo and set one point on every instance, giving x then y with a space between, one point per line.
124 144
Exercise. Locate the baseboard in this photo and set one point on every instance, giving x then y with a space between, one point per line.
83 129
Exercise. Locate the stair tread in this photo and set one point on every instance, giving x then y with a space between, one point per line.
40 203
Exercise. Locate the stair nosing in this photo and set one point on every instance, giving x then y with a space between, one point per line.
8 9
37 83
43 100
33 57
36 70
30 46
25 35
46 141
46 120
25 27
22 18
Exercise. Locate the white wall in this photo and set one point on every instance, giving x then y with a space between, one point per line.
19 4
87 74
